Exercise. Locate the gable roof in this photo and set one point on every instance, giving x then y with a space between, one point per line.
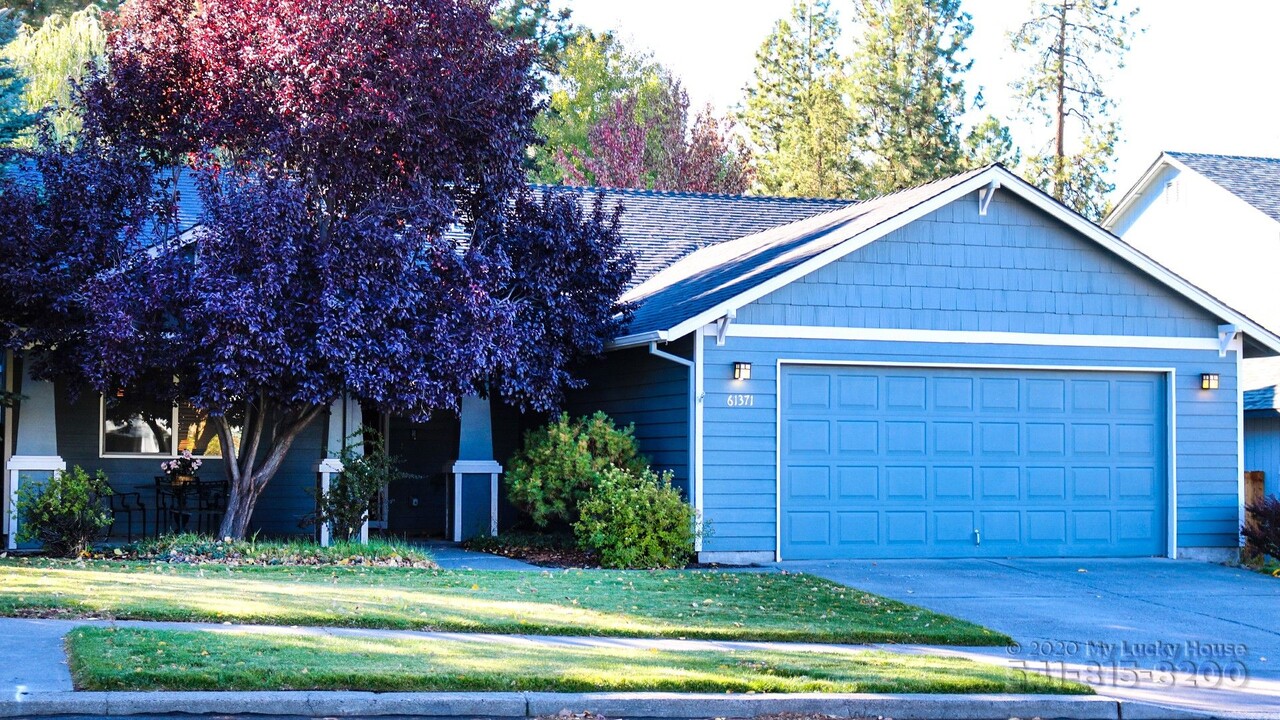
713 282
1256 180
659 227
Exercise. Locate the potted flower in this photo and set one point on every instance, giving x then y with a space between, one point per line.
181 469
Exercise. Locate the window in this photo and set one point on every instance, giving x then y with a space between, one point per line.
136 426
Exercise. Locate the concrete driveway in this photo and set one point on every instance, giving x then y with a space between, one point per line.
1179 633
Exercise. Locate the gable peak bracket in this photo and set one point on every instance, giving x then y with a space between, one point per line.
722 326
985 195
1226 333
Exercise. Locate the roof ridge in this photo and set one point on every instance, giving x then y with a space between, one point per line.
689 193
1180 153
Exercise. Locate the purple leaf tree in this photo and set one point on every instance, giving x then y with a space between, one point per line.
366 227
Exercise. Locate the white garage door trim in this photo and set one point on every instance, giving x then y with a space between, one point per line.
1171 547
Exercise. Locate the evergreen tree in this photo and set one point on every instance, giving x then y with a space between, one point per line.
796 109
907 90
14 117
552 30
53 58
1072 46
991 142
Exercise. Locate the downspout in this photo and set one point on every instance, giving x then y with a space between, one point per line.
695 479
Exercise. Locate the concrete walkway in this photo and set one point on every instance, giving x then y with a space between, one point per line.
451 556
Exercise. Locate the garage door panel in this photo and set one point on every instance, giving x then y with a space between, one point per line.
952 394
906 527
812 437
954 527
1091 483
905 462
953 438
904 437
809 483
953 482
858 437
857 482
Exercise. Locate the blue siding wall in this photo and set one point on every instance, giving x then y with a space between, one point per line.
633 386
1262 449
1015 270
285 501
740 455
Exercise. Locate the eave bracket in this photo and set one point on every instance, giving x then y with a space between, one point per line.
985 195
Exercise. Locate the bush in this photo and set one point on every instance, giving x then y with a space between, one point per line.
1263 530
364 474
636 520
562 462
66 514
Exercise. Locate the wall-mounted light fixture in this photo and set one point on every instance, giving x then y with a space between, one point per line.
742 371
1209 381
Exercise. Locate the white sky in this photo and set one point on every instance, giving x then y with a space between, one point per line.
1200 79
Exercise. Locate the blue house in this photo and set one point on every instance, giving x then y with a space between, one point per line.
964 369
1215 220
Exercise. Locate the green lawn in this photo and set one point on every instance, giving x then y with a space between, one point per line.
132 659
693 604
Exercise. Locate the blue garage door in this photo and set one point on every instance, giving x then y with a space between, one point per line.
912 462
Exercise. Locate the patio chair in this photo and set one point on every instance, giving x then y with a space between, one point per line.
212 505
126 504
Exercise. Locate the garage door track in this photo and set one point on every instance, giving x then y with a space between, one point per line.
1179 633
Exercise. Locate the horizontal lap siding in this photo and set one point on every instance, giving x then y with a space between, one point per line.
284 503
1015 270
1262 449
633 386
740 462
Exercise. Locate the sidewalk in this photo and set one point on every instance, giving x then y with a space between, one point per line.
35 682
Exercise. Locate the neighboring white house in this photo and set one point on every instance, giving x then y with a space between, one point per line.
1215 220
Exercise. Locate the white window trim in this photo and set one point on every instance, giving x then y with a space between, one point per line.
1171 384
102 439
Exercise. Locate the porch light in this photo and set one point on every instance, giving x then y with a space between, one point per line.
742 371
1209 381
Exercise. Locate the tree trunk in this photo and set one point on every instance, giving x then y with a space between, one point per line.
1060 144
246 477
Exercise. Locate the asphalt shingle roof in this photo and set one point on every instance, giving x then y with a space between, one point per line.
660 227
1256 180
704 279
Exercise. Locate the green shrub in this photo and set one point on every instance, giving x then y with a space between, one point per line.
561 462
636 520
67 513
364 474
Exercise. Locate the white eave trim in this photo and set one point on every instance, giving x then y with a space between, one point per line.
972 337
1011 183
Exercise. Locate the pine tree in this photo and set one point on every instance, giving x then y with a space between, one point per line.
796 109
991 142
907 90
1073 45
14 117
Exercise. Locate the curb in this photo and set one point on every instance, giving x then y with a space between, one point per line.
635 705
